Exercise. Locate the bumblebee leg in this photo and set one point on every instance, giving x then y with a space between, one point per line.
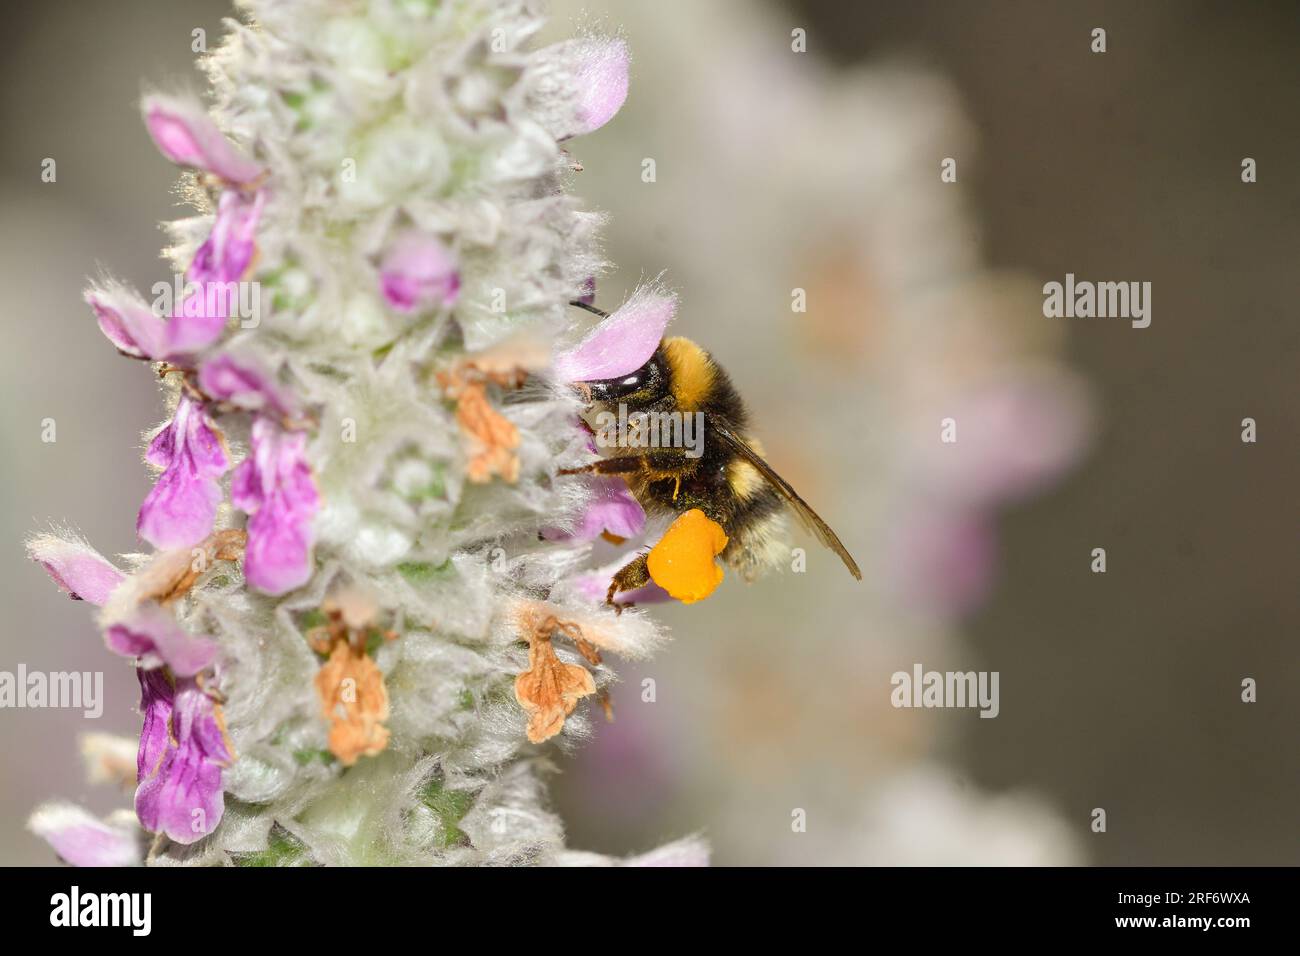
653 466
609 466
635 574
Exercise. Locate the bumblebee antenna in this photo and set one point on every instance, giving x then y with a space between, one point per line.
590 308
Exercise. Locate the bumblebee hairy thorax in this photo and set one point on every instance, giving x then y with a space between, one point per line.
677 431
691 470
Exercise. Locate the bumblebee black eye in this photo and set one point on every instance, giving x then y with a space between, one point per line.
647 379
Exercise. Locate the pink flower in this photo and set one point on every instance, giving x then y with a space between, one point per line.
186 135
153 635
83 840
595 588
597 68
128 322
622 343
418 272
601 67
274 486
218 266
76 567
242 382
594 585
1014 437
944 559
180 510
183 748
157 698
612 509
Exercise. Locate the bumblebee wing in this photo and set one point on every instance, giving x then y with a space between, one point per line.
809 518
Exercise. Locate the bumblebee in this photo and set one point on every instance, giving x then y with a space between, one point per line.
727 478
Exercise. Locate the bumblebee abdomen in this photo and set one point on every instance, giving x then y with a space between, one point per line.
757 535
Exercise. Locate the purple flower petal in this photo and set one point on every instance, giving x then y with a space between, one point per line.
274 486
944 560
153 635
228 250
597 69
157 698
588 296
219 265
76 567
185 134
601 68
82 839
180 762
181 508
594 586
613 508
622 343
1014 437
418 272
241 381
128 322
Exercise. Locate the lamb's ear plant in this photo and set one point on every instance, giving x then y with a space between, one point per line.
362 625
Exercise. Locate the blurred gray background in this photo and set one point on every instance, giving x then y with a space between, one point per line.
1122 166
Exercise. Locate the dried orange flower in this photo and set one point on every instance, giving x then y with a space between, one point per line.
550 689
682 563
350 685
492 437
354 699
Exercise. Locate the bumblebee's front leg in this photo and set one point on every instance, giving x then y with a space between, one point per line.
653 466
622 465
635 574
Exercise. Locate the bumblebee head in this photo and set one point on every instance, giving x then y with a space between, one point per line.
648 385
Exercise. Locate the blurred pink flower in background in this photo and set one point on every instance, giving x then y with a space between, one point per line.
1014 438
